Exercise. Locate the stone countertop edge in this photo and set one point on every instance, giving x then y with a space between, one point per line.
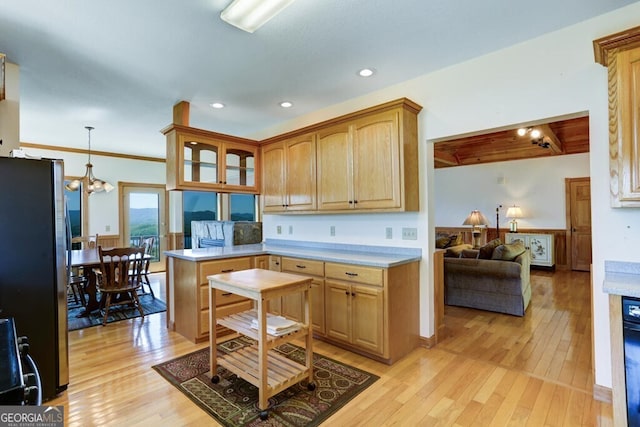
373 256
622 278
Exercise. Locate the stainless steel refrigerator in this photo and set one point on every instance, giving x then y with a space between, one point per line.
33 275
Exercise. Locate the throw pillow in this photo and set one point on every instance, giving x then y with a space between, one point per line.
456 239
486 251
455 251
442 242
509 251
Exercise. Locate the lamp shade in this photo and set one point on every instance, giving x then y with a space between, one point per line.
514 212
476 218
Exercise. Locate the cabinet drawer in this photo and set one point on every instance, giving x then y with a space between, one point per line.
208 268
354 273
222 297
303 266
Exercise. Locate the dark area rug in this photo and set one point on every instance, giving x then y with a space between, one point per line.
149 304
234 402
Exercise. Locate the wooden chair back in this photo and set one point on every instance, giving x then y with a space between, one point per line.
87 242
121 269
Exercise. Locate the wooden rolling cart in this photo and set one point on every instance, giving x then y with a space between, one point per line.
268 370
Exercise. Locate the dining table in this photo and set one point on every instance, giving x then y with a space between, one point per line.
88 260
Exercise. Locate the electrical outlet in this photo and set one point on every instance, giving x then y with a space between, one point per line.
332 230
388 233
291 229
409 234
279 229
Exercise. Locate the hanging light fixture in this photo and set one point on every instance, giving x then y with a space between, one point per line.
92 184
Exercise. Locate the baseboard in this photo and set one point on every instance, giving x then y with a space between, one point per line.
602 394
429 342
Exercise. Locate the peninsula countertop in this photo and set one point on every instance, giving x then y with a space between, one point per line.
373 256
622 278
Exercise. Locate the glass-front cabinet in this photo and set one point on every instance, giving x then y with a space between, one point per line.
199 159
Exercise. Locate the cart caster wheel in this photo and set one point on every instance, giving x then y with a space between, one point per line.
311 386
264 415
215 379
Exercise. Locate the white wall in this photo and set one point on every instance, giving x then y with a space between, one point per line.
536 185
10 111
103 207
550 76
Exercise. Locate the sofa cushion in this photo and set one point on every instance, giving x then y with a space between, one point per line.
508 251
486 251
455 251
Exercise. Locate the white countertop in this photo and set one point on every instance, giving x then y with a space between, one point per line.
622 278
374 256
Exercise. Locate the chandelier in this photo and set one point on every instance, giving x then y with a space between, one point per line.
92 184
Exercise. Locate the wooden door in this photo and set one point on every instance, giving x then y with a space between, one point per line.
376 165
335 183
579 222
338 310
273 178
301 173
367 318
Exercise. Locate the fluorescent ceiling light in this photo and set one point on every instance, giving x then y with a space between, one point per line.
249 15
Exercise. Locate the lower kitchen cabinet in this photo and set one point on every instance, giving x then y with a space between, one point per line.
355 314
293 305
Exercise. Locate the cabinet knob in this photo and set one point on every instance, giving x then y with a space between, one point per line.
346 293
353 294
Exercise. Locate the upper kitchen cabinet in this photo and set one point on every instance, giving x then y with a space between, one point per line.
289 175
620 53
204 160
369 162
366 161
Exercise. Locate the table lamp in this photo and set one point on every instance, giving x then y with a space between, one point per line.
514 212
476 219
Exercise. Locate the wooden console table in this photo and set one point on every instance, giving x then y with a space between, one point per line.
268 370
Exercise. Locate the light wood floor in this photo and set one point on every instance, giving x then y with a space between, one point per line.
492 370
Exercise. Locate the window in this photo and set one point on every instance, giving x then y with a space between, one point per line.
243 207
74 200
197 206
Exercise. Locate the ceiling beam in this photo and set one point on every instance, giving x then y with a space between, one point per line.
550 137
445 158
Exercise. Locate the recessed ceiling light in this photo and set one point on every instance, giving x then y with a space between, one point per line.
217 105
286 104
366 72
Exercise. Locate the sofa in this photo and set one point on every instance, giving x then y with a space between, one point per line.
494 279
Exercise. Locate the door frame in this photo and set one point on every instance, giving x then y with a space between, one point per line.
163 228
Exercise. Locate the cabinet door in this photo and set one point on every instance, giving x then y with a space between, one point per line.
626 164
200 159
376 164
338 310
541 249
275 305
273 178
293 307
335 175
300 177
261 261
239 172
367 318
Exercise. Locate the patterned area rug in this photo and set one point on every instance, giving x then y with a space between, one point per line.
149 306
234 402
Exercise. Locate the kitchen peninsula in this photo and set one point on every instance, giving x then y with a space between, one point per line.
364 298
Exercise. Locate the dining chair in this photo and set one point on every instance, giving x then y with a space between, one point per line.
120 277
147 245
75 284
86 242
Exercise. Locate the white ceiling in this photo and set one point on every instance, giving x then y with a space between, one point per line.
121 65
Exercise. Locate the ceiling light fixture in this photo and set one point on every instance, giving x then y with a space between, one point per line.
536 136
217 105
366 72
286 104
249 15
92 184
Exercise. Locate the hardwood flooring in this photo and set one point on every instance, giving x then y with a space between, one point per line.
492 369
